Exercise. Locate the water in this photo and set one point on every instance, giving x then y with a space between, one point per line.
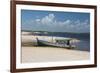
84 38
83 45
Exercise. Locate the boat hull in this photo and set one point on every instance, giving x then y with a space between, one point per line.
45 43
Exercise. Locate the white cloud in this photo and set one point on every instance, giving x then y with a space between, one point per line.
67 22
49 22
48 19
37 20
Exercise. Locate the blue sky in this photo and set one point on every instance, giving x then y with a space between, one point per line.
55 21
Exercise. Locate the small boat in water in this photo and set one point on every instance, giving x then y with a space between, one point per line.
59 43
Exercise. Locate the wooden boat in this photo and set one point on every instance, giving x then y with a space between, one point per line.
58 43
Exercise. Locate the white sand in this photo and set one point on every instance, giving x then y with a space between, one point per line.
51 54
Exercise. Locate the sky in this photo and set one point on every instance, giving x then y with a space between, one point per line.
55 21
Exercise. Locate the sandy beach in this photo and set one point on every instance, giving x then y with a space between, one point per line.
51 54
31 53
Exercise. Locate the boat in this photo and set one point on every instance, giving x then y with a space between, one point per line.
58 43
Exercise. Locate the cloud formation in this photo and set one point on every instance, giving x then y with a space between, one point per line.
50 23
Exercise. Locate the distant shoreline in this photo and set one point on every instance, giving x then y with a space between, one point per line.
55 32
